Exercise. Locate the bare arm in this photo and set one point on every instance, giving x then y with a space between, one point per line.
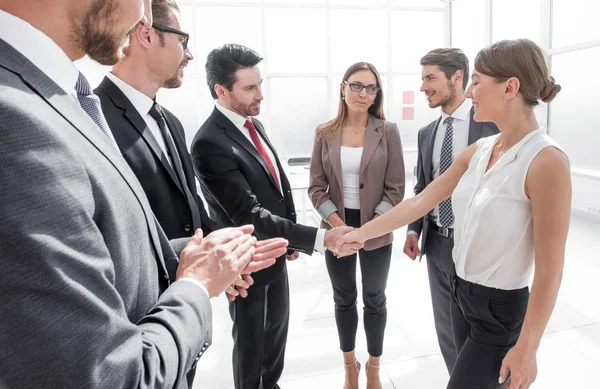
416 207
551 209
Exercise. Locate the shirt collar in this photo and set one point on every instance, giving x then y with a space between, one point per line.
237 119
140 101
40 49
463 112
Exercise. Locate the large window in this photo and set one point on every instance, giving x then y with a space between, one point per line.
307 46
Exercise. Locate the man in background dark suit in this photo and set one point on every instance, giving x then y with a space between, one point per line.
445 77
243 182
152 139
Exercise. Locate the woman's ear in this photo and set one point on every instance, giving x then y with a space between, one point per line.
513 85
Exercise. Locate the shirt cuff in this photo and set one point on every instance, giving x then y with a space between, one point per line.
383 207
320 241
193 281
411 232
326 209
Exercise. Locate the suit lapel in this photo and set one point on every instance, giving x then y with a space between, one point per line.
263 134
234 133
180 145
474 128
372 137
66 106
334 145
428 154
136 120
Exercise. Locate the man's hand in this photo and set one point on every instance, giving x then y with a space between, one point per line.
333 235
411 246
239 287
264 251
293 256
218 259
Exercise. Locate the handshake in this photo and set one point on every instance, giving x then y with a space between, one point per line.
342 241
223 260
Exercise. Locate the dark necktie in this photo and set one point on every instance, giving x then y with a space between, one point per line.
446 215
157 114
91 105
257 143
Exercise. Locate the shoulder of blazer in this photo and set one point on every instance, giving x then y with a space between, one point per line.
423 131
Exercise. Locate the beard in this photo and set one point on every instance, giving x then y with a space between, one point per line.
97 36
448 100
175 81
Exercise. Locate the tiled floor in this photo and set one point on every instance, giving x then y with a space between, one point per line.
569 356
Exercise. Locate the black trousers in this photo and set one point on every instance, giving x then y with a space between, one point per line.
260 329
375 267
487 323
440 269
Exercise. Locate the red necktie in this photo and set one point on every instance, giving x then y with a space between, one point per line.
258 144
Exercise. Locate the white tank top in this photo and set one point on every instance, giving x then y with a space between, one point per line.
493 227
351 157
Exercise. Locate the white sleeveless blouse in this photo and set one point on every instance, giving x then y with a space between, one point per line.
493 227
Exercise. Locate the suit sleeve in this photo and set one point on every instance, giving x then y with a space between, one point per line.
395 177
417 225
64 322
222 177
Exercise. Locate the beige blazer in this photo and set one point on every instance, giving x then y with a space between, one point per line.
381 176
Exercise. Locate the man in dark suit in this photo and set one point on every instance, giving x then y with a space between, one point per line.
91 291
150 137
445 76
243 182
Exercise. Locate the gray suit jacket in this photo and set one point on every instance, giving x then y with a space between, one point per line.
426 139
85 289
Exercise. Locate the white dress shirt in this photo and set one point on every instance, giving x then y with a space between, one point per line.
142 104
351 158
239 120
460 140
493 235
47 56
41 50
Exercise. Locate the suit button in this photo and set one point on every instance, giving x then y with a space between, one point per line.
361 185
293 214
281 200
187 228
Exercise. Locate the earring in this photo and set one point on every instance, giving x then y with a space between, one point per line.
343 97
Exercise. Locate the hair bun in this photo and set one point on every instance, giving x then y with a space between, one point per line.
550 91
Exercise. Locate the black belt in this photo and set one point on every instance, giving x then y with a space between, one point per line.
443 231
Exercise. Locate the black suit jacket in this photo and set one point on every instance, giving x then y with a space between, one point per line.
151 165
426 140
240 189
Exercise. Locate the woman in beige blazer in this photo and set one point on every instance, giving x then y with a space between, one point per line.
357 174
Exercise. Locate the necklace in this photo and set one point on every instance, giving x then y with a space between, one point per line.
355 132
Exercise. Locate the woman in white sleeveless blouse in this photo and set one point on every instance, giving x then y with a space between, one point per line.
511 195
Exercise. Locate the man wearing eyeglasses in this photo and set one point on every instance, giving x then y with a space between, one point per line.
152 139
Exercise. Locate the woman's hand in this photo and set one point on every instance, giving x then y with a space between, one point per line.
351 237
522 366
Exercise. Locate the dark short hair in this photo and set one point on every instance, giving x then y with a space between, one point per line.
523 59
449 60
223 62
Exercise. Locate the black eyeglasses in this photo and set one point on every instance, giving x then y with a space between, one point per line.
371 89
185 35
